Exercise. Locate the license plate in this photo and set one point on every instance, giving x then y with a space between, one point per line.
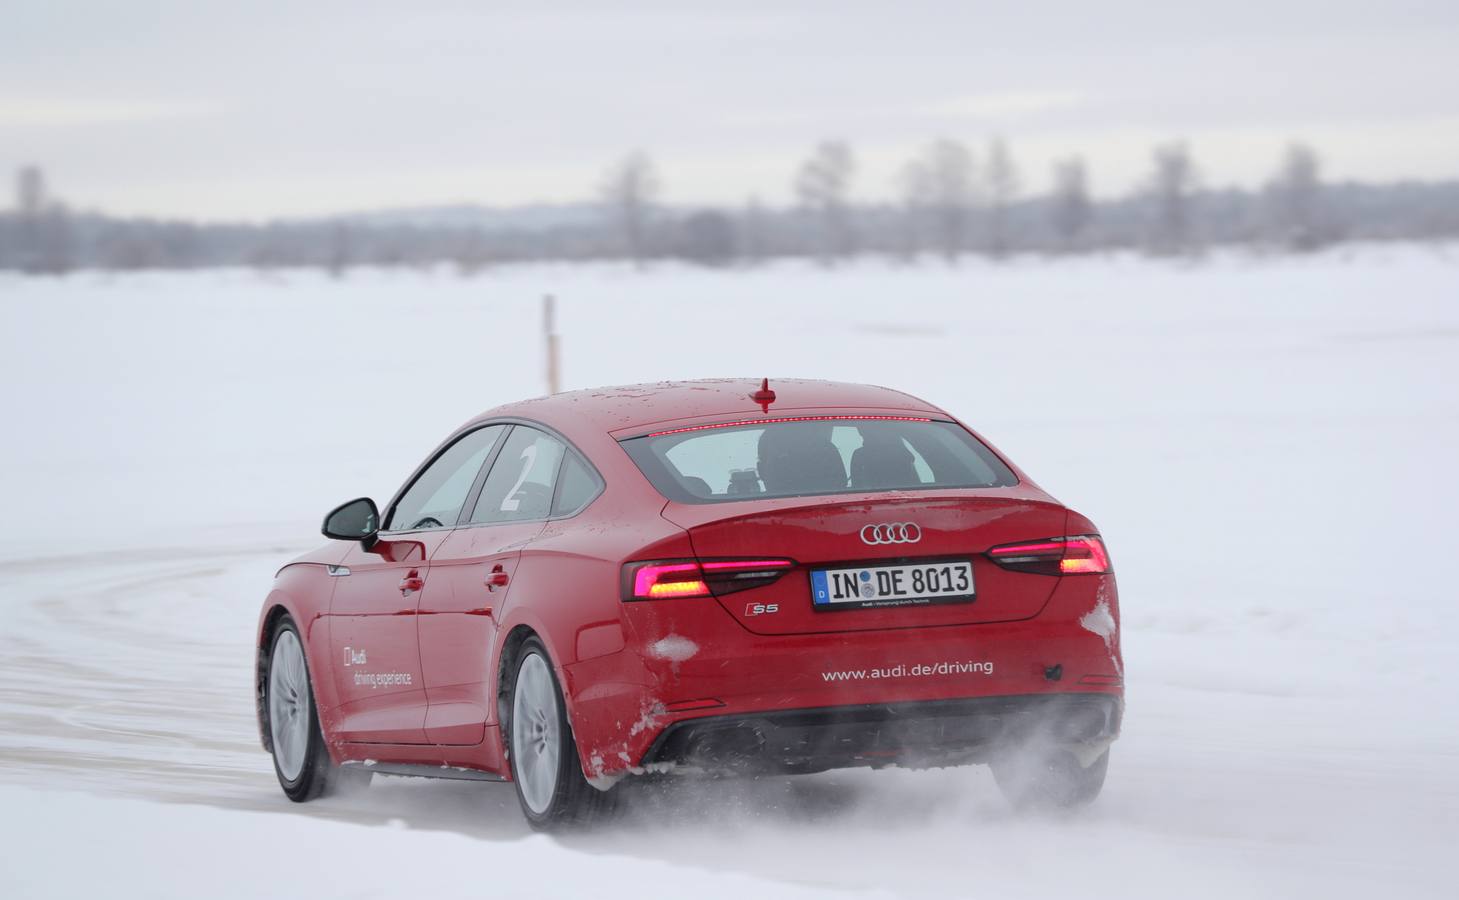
912 584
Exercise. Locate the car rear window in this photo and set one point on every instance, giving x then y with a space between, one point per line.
820 456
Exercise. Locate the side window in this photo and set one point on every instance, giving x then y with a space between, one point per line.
520 484
436 497
575 486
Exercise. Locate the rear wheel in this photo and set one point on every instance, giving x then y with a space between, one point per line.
544 757
301 760
1049 778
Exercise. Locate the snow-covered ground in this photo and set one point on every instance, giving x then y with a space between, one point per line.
1268 446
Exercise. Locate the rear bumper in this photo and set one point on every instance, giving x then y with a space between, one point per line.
840 698
931 733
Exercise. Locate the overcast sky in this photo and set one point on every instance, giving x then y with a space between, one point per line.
252 108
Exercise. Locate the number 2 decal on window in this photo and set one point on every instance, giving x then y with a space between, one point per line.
510 502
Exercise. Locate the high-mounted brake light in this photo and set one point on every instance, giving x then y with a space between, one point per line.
791 419
1082 554
692 578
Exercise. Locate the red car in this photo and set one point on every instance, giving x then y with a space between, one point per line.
713 576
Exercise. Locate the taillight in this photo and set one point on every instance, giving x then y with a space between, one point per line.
1082 554
650 581
695 578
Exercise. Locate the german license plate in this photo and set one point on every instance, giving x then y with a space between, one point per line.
912 584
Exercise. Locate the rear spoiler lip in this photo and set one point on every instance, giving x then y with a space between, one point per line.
750 417
690 516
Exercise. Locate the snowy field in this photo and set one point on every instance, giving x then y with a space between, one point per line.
1269 447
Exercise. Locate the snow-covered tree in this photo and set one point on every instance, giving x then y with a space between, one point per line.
1294 200
1171 186
629 193
823 187
940 186
1070 210
1003 188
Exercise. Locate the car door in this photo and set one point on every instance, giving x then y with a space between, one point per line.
474 570
373 613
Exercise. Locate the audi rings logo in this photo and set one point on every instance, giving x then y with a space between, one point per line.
892 533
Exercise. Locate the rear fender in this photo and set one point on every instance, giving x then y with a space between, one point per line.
521 623
590 641
1092 602
1097 594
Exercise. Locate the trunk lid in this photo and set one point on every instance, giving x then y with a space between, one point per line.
826 533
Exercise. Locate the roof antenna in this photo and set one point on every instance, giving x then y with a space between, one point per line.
764 396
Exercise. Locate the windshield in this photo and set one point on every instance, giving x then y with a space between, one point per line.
822 456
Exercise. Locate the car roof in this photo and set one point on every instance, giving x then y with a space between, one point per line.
624 408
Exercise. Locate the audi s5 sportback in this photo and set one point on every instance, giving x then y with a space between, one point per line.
716 577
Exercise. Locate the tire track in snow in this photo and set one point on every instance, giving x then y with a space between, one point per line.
128 673
131 674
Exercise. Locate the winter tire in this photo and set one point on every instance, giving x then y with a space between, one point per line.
1049 779
544 757
301 760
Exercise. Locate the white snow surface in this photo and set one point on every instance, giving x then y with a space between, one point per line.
1100 621
675 648
208 850
1267 446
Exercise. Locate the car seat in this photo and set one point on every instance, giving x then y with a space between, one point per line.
883 461
696 486
794 459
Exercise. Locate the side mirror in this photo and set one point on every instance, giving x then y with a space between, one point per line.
357 520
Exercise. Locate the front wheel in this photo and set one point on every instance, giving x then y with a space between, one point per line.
301 760
544 757
1049 779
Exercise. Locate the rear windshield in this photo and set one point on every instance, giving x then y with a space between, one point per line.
836 456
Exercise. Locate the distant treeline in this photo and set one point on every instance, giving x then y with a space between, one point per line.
952 205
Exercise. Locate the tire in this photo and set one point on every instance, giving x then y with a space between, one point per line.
301 760
544 757
1049 779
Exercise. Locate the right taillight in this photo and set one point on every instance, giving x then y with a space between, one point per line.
1082 554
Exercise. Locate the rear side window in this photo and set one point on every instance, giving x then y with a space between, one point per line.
576 485
792 459
520 484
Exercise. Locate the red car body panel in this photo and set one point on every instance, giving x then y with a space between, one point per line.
406 650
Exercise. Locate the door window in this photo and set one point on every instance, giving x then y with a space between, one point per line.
519 487
435 499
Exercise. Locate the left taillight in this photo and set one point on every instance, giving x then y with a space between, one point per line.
663 579
1082 554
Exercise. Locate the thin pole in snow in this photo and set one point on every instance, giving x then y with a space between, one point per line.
549 332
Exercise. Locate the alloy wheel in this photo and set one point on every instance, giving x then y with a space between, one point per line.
536 742
288 704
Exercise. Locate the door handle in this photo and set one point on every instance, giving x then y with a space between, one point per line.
497 578
412 582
